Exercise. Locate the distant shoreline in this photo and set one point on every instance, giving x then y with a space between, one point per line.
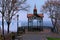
38 26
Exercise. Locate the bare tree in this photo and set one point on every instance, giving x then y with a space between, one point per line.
2 10
53 8
11 8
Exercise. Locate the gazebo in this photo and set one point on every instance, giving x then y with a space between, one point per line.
38 17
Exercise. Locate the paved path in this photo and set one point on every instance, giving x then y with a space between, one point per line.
38 36
33 37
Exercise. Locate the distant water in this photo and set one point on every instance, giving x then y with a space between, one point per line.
45 23
13 26
25 23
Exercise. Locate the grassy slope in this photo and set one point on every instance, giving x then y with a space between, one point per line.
53 38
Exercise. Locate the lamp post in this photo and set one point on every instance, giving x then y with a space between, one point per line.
17 22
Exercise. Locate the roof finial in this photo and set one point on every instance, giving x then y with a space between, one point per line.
35 6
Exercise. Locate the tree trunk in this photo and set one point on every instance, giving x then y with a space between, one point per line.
8 27
55 27
3 24
54 23
3 17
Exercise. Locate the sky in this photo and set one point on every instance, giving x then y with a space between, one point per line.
23 14
38 3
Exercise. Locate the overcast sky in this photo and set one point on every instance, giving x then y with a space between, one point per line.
38 3
23 14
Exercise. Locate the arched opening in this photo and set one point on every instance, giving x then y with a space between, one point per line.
35 23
